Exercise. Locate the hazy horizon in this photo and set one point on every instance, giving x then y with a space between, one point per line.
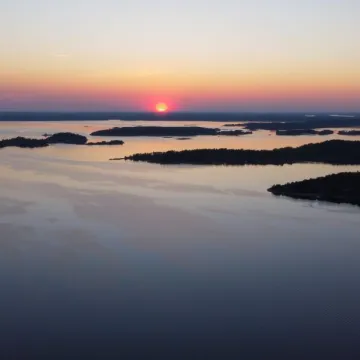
205 111
229 56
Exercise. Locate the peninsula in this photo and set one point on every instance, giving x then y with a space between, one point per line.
337 188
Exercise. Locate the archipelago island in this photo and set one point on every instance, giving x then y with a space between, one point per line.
336 188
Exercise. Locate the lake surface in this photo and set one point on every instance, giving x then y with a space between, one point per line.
112 259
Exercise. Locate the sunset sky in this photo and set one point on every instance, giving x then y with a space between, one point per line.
216 55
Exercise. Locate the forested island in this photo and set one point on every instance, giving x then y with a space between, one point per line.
234 125
337 188
337 152
349 132
335 122
106 143
299 132
175 131
22 142
171 131
58 138
168 131
234 132
66 138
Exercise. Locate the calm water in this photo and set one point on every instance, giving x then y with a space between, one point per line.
103 259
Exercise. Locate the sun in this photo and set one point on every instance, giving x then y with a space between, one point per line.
161 107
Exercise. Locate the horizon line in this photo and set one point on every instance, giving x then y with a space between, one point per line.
322 112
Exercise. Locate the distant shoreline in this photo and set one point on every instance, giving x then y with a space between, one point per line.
176 116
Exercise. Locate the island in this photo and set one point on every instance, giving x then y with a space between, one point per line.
22 142
332 122
234 133
234 125
349 133
102 143
162 131
298 132
58 138
66 138
336 188
337 152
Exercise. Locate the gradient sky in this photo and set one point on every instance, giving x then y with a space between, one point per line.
220 55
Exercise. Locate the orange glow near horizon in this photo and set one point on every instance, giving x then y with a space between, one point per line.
132 60
254 90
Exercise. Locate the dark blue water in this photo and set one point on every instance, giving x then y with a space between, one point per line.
103 260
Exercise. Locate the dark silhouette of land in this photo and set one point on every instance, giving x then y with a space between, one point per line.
173 116
182 131
168 131
111 142
67 138
299 132
58 138
234 132
349 132
22 142
234 125
337 152
337 188
330 122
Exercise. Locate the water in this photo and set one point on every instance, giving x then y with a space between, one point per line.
103 259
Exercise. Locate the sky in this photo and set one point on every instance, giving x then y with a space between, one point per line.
194 55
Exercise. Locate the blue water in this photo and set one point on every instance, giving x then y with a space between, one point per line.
119 260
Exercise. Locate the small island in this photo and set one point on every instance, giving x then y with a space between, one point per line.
106 143
336 152
337 188
22 142
349 133
234 125
234 133
66 138
299 132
